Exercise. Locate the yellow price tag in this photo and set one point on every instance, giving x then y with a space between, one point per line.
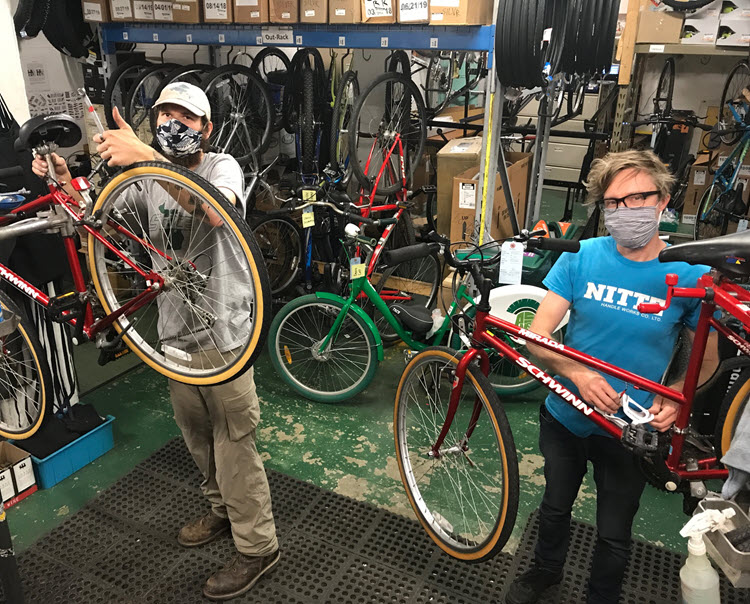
357 270
309 194
308 218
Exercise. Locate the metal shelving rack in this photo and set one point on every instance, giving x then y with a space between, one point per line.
385 37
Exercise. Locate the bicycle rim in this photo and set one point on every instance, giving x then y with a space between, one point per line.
25 381
343 370
241 111
390 108
208 319
141 98
665 89
280 243
467 496
709 222
272 66
737 82
341 124
118 86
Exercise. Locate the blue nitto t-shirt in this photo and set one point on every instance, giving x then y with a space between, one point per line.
604 289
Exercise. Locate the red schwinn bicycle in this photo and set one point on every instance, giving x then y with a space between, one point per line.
175 275
454 445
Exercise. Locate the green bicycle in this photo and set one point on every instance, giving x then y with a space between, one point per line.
327 348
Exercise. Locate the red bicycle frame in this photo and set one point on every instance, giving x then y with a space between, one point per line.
715 291
75 213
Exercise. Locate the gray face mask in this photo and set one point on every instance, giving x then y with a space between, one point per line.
632 228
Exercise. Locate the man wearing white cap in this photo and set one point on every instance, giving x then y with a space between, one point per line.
217 422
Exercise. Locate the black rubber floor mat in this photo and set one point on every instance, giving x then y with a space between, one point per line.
121 548
652 577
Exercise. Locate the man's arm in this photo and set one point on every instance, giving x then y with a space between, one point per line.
593 387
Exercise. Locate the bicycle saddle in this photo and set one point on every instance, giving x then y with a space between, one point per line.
59 128
415 317
729 254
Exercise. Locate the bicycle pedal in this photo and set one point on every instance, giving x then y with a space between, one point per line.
639 440
107 355
64 307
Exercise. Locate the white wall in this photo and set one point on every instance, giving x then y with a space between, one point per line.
12 85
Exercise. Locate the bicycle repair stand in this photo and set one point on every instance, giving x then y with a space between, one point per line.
9 577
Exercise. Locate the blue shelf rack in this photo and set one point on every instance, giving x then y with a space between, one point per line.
468 37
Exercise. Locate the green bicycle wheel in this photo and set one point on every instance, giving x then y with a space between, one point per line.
343 370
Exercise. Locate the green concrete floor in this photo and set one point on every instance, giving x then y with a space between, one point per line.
347 448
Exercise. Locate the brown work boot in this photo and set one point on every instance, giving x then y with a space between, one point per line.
202 530
238 576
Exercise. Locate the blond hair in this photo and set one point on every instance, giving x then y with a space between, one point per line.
604 170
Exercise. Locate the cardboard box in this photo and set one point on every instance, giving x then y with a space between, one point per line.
454 158
186 11
465 200
344 11
217 11
378 11
283 11
659 27
17 479
313 11
736 10
452 114
413 11
95 11
460 12
698 181
121 10
251 11
734 33
143 10
163 11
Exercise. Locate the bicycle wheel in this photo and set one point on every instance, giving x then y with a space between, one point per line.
343 370
306 126
241 111
437 84
730 413
378 125
399 62
178 238
686 5
25 381
710 222
280 241
142 96
665 89
272 66
118 86
466 498
733 92
346 94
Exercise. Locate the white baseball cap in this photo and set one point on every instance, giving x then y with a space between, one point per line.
185 95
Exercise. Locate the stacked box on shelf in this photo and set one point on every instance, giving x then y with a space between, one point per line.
283 11
659 26
702 26
251 11
413 11
734 24
344 11
378 11
217 11
313 11
461 12
95 11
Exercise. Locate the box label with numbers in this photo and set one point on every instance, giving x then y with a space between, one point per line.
121 10
163 11
413 11
216 10
143 11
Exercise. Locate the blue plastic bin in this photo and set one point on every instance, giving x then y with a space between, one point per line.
73 456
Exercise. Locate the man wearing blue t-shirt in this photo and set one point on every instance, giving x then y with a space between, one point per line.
602 286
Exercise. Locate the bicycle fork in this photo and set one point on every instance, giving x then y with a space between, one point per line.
457 386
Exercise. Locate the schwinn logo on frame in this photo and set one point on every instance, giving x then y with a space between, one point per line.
19 283
554 386
739 343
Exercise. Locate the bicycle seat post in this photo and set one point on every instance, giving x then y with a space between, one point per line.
46 150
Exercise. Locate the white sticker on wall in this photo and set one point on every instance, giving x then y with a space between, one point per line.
216 9
92 11
121 9
467 196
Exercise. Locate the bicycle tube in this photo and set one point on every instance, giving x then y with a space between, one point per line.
113 296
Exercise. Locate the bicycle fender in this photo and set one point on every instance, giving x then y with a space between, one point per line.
507 301
357 310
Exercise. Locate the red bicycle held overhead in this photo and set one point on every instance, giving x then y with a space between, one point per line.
179 281
454 445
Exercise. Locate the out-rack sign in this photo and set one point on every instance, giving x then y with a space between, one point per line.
278 35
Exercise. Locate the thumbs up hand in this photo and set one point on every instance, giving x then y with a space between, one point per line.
122 147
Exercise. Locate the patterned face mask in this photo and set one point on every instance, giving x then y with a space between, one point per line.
177 139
